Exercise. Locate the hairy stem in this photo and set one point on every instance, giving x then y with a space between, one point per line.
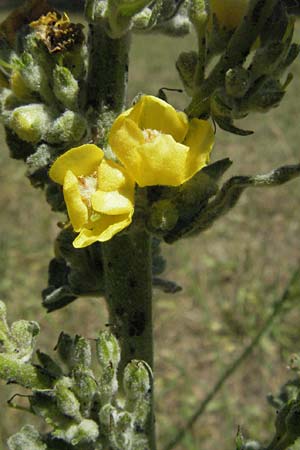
128 282
107 79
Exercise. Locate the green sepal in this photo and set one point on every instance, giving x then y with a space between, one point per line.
227 125
49 365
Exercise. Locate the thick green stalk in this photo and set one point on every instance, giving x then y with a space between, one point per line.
128 278
107 79
127 258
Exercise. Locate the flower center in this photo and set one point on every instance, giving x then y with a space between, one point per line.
87 187
150 134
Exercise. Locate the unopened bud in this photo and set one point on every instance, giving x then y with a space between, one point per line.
108 414
220 104
198 15
66 401
267 96
19 87
108 350
85 388
30 122
82 354
266 59
24 334
26 438
70 127
87 431
229 13
35 77
237 81
136 380
84 432
141 21
65 87
164 215
186 65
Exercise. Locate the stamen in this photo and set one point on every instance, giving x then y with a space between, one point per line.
150 134
87 187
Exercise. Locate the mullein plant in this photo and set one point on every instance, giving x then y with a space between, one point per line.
126 179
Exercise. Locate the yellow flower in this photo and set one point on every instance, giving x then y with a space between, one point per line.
158 145
229 12
98 193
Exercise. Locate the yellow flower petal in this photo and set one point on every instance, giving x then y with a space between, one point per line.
77 210
111 203
156 114
160 162
83 160
115 193
124 135
103 230
111 176
200 140
229 12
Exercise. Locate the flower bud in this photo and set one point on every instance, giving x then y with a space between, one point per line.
164 215
35 77
30 122
24 334
26 438
136 380
186 66
66 401
108 350
267 59
65 87
268 95
237 81
85 388
108 353
229 13
82 354
86 431
198 15
142 20
19 87
108 414
70 127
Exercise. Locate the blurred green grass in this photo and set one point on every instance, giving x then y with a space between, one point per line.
231 274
